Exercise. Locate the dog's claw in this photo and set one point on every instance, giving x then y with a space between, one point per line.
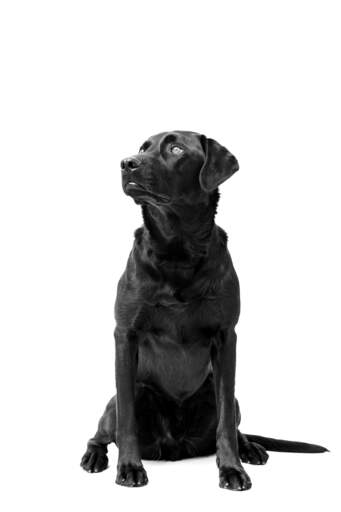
94 460
131 475
234 479
253 453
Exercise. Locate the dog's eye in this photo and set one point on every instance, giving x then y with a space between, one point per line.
176 150
141 150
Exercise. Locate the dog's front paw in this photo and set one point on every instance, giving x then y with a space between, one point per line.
131 475
253 453
234 478
94 459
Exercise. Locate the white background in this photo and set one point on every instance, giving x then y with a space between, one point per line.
83 84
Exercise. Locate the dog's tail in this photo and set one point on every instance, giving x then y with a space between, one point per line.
281 445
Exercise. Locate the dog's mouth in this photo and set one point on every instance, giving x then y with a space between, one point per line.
140 193
132 185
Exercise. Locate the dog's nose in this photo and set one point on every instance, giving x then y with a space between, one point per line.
130 164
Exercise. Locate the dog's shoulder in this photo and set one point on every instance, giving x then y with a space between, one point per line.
222 236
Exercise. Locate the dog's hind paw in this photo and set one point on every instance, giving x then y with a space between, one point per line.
94 459
253 453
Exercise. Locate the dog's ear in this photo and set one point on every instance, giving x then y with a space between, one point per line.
219 165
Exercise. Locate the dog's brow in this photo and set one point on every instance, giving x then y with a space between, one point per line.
146 145
169 138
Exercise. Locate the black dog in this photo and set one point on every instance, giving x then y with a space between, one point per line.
176 310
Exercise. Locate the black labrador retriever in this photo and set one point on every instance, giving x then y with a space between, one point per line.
176 311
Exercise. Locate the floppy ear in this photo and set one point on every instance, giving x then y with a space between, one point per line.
219 165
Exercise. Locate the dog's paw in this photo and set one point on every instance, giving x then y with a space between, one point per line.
94 459
131 475
253 453
234 478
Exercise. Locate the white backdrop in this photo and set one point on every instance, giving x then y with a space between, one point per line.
83 84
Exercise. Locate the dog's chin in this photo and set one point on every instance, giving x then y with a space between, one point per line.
143 196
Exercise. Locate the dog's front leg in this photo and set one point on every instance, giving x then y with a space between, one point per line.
130 471
231 473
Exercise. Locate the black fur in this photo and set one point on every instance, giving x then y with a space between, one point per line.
176 309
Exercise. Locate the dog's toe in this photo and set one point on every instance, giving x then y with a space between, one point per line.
131 475
253 453
234 478
94 460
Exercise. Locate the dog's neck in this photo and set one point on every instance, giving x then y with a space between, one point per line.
181 233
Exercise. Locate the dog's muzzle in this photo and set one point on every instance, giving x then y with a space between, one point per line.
128 167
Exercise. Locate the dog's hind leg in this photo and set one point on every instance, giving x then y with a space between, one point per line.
153 414
95 458
250 452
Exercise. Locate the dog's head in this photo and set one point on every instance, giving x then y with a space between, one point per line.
176 166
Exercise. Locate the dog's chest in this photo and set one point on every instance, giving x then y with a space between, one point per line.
174 352
184 323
